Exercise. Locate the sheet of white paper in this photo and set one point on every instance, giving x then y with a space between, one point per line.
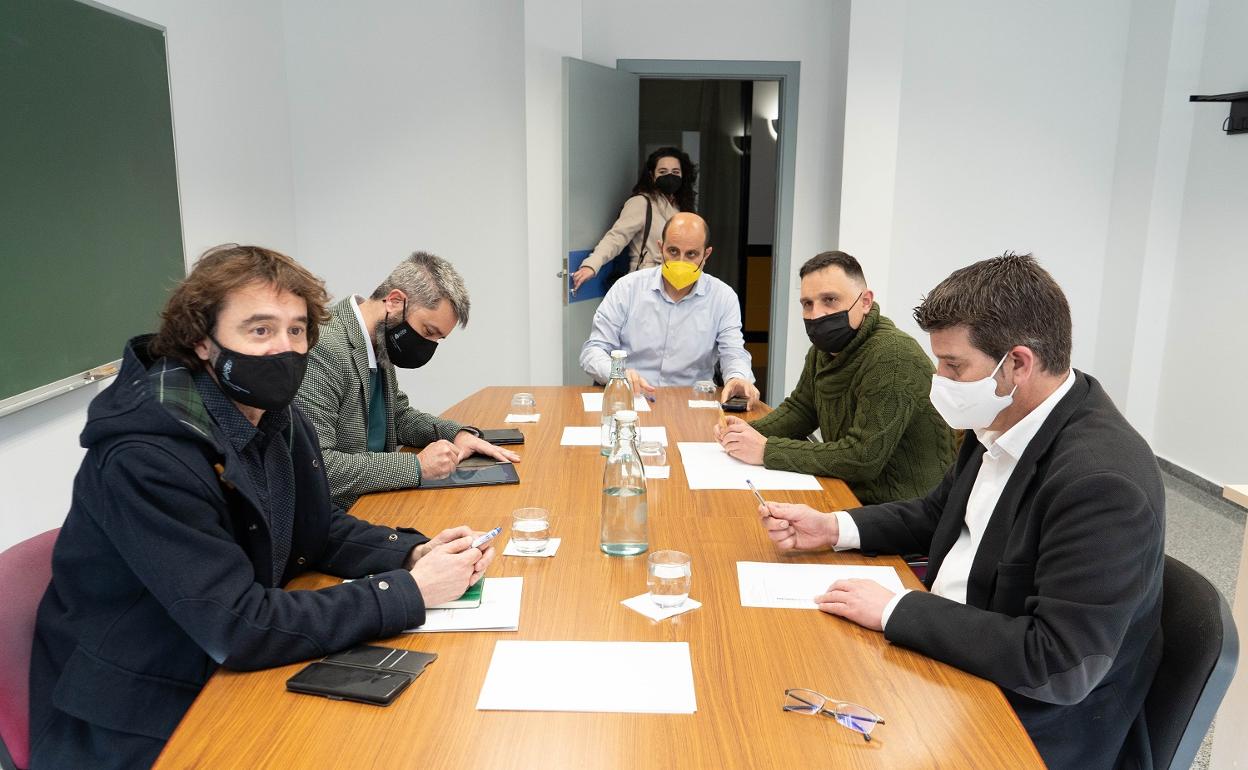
703 404
570 676
522 418
593 402
579 435
708 466
658 471
795 586
643 604
552 546
499 610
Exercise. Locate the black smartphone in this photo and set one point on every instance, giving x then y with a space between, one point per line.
502 436
737 404
339 682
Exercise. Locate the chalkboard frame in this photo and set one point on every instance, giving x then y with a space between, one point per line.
107 364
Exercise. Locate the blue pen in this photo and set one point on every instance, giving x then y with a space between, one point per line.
754 489
487 537
649 397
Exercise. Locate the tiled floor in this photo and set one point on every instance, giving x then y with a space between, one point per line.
1206 533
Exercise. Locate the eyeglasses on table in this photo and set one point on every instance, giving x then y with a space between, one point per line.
860 719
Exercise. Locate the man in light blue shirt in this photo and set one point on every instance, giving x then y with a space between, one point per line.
674 321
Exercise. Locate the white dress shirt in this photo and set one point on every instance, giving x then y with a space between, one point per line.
668 342
356 299
1001 455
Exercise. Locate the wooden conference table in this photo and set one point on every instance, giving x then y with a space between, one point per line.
743 658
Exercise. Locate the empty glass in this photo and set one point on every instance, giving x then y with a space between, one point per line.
669 577
704 390
530 529
652 453
860 719
523 404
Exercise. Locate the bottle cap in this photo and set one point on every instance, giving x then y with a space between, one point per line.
619 354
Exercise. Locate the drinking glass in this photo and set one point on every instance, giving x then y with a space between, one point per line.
523 404
652 453
703 390
669 577
530 529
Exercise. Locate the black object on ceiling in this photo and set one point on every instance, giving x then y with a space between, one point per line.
1237 122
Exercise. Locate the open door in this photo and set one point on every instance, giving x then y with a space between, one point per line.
600 109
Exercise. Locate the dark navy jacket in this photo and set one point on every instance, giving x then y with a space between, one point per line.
162 573
1063 601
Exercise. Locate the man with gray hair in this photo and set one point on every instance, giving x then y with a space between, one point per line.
351 394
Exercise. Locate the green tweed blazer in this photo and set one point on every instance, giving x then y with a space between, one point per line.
335 395
881 434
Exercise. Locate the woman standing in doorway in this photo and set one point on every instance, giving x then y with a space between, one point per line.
664 188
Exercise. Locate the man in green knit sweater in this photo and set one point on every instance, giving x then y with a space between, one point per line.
864 386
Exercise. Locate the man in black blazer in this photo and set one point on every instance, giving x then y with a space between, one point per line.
1045 537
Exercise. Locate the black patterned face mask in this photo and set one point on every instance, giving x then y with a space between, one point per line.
405 346
264 382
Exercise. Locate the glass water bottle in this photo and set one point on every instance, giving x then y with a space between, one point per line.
625 531
617 396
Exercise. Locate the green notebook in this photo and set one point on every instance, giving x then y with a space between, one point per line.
471 598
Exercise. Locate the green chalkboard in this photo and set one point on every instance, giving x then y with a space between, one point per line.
90 233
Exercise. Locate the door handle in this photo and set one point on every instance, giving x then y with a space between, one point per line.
562 274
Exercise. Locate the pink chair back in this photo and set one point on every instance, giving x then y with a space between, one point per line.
25 570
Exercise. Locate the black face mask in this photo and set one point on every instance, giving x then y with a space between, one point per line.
832 332
668 184
263 382
405 346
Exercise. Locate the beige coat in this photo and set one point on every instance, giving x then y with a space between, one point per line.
627 231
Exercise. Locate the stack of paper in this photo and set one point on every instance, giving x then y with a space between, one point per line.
708 466
499 610
593 403
577 676
795 586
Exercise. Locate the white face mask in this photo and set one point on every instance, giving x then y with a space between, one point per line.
969 405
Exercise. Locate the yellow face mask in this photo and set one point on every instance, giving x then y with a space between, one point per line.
681 274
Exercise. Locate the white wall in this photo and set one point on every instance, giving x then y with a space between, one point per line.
1064 129
552 30
812 32
1155 131
1006 134
1202 415
229 115
877 33
407 132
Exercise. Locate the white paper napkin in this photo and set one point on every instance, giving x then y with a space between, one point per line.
645 606
521 418
552 545
703 404
657 471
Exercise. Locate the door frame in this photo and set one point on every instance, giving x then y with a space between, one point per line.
788 74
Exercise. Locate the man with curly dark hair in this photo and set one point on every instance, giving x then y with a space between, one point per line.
201 495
